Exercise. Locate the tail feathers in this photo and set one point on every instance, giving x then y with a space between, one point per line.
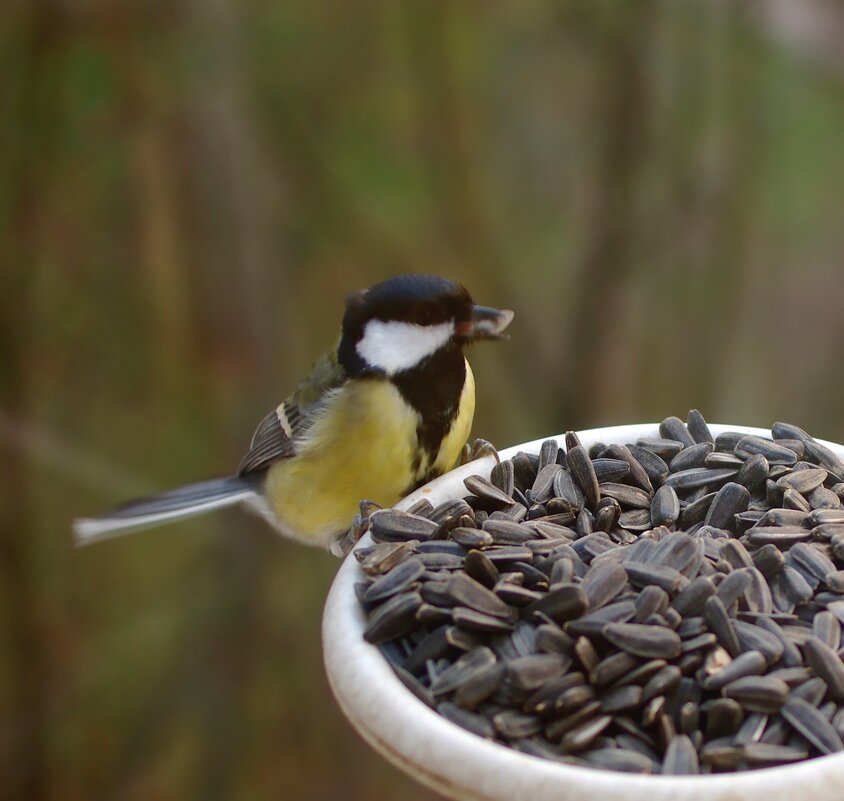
194 499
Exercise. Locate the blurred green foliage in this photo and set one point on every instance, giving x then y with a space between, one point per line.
187 192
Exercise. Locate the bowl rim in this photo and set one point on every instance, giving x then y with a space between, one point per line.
461 765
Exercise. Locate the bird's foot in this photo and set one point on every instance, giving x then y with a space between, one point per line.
360 524
477 450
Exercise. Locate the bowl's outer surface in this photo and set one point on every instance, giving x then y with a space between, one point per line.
460 765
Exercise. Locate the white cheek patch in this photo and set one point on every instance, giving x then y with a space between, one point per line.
394 346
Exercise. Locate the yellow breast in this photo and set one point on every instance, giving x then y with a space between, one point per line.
361 447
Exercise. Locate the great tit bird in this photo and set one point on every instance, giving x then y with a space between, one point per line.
386 410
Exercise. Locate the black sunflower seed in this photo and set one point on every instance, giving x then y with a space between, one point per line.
580 465
674 428
643 640
665 507
812 725
680 757
556 610
698 428
758 693
391 525
691 456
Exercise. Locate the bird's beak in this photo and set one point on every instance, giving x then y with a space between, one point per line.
485 323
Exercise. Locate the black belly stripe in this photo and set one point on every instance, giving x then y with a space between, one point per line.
433 388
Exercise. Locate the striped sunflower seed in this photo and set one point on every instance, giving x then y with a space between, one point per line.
667 578
775 454
654 467
674 428
691 599
621 699
582 736
635 520
826 664
681 757
473 620
781 536
643 640
698 428
399 579
502 476
723 717
638 475
556 730
610 469
543 485
612 668
691 456
512 724
394 618
754 638
471 721
721 625
749 663
729 501
487 491
824 457
812 725
564 602
463 670
548 452
803 481
391 525
753 472
664 447
383 557
481 568
665 507
812 691
771 754
471 537
624 760
696 477
583 472
758 693
603 583
607 514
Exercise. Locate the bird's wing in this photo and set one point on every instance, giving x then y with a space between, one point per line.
278 433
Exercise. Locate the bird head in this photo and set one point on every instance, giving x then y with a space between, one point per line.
396 325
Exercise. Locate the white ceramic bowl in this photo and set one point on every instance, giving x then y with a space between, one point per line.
461 765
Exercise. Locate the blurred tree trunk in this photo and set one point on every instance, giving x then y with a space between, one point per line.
23 737
594 331
446 124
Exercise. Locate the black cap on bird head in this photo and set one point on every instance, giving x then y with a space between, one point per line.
417 299
394 326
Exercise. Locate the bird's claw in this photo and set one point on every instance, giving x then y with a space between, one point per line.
360 524
477 450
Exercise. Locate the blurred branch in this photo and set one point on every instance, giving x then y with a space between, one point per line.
27 440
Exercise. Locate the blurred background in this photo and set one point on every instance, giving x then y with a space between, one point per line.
188 190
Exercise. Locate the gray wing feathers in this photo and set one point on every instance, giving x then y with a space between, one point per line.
270 442
176 504
277 434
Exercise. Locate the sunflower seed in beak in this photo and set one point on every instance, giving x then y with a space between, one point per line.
485 323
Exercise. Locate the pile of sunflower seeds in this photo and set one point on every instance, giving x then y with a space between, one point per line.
671 606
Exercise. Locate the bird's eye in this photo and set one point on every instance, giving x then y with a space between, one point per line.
425 316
